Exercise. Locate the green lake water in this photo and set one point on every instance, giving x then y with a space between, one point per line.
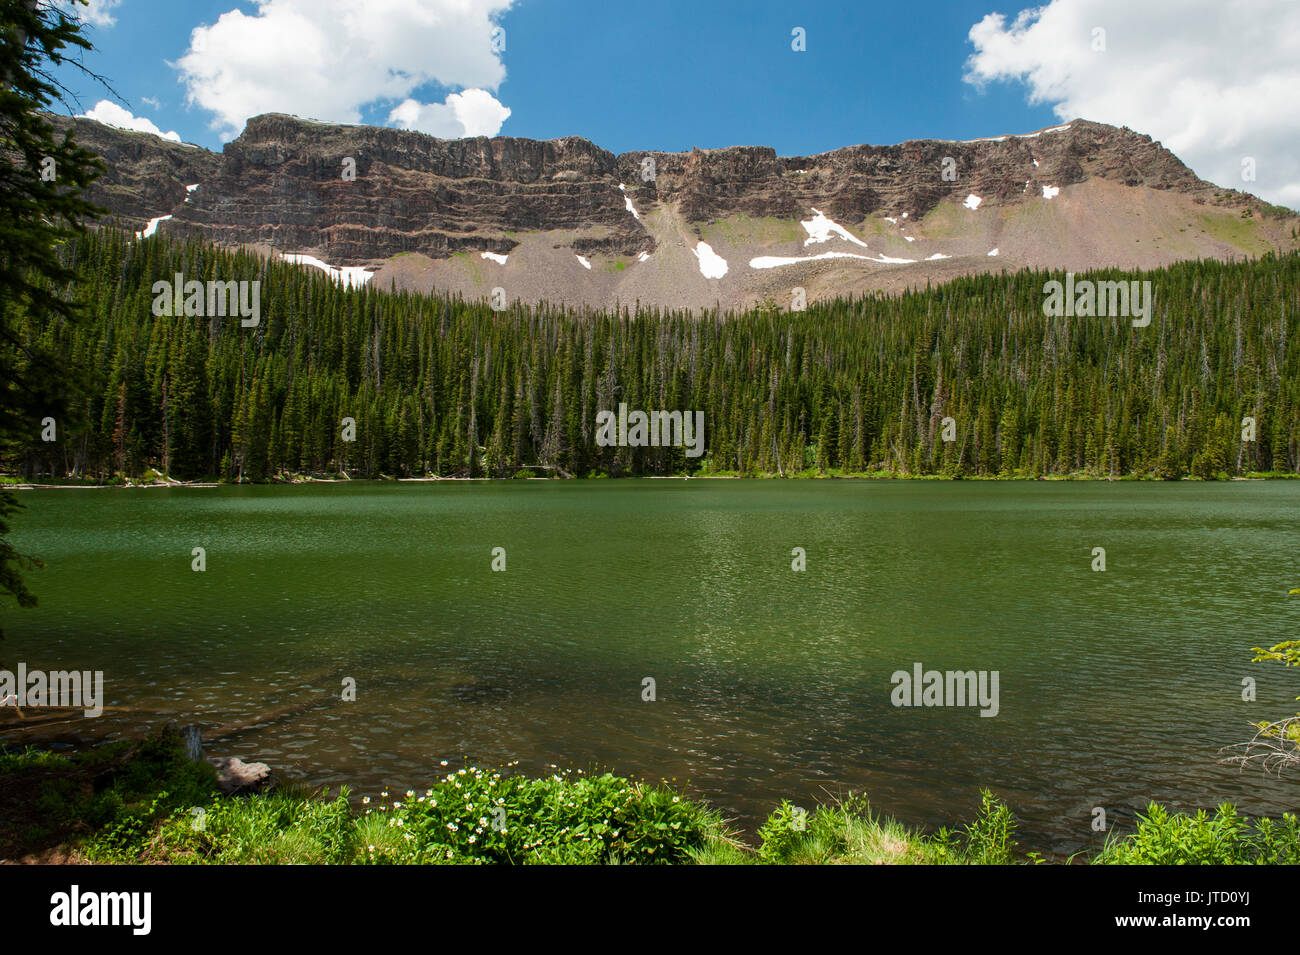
1116 687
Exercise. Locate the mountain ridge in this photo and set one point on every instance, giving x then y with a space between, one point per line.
567 220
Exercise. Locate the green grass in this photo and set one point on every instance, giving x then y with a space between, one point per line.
743 230
472 265
145 803
1236 231
947 220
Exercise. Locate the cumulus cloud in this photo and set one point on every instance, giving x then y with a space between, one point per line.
471 113
328 59
96 12
111 114
1215 81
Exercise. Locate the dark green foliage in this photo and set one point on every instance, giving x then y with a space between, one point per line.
448 387
42 177
37 212
12 561
120 792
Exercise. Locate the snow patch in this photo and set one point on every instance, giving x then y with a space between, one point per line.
972 201
496 257
820 229
994 252
585 263
937 255
774 261
152 227
627 201
908 238
350 276
891 220
712 265
1051 192
643 257
999 139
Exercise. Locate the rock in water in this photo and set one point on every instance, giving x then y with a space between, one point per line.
236 776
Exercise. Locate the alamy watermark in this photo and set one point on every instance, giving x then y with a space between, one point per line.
132 910
1086 298
68 688
923 687
194 298
654 429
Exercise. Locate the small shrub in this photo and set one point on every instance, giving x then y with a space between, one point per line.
988 840
477 816
1224 838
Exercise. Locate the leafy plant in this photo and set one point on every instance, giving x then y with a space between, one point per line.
1224 838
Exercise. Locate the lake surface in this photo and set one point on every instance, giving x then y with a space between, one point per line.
1115 687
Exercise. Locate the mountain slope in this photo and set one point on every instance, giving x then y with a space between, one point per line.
564 220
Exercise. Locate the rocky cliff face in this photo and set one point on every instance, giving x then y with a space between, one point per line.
858 181
145 176
361 196
283 183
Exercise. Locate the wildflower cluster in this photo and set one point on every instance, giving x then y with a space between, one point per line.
475 815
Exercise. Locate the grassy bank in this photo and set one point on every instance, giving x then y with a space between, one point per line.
146 803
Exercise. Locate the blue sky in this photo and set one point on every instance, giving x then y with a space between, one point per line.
666 75
1215 82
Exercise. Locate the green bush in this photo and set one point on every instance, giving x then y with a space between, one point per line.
146 788
988 840
476 816
1224 838
784 833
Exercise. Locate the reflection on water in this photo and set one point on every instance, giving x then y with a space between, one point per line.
1116 687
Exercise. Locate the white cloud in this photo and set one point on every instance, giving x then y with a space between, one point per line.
96 12
471 113
1214 80
327 59
111 114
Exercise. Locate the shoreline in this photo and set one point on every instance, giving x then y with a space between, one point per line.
866 476
157 783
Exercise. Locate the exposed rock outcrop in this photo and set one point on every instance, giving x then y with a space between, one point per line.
363 196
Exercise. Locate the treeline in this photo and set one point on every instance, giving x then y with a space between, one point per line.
450 387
